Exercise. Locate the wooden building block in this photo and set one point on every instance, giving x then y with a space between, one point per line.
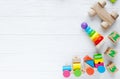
97 56
101 69
96 61
94 36
110 52
67 67
76 63
86 58
114 37
67 71
77 71
76 66
89 70
112 68
76 59
90 63
99 64
107 18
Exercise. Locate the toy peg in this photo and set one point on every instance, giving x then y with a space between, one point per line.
67 71
77 67
99 64
96 38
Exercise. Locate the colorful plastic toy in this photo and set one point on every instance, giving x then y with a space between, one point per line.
94 36
112 68
110 52
67 70
76 67
113 1
99 64
114 37
89 65
107 18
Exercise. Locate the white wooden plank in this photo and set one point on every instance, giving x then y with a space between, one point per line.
46 7
35 25
41 7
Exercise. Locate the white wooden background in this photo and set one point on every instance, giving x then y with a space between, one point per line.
37 37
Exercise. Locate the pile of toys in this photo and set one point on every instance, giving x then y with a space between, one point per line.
90 64
97 62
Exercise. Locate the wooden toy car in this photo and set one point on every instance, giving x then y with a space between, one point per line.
112 68
110 52
107 18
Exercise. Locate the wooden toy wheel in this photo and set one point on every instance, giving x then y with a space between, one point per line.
92 12
114 15
102 3
105 25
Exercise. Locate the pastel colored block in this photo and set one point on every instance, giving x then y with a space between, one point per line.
114 37
68 67
99 40
112 68
90 62
97 56
96 61
94 36
100 64
101 69
92 33
76 66
86 58
66 73
110 52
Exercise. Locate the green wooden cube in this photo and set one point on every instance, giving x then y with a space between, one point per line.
110 52
112 68
114 37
